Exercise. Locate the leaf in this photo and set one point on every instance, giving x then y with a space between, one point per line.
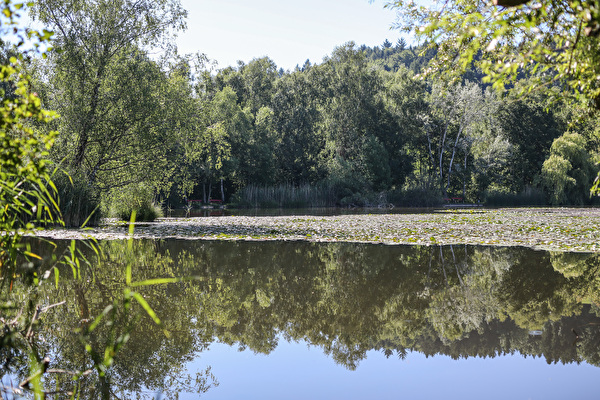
89 216
157 281
140 299
30 254
105 312
56 273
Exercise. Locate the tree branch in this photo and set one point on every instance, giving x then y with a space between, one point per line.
509 3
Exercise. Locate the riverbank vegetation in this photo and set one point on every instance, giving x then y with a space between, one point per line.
29 201
359 128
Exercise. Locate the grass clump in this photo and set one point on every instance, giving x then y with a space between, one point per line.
79 203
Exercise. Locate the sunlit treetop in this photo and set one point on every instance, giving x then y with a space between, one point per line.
554 42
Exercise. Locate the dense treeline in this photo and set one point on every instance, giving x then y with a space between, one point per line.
359 129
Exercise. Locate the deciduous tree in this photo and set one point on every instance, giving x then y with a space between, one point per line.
102 81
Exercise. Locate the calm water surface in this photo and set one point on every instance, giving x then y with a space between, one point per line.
297 320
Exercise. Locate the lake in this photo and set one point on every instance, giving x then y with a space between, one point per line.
301 319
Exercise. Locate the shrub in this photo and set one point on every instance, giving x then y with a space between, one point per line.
416 197
417 192
136 197
357 200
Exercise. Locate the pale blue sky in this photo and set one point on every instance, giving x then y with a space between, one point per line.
287 31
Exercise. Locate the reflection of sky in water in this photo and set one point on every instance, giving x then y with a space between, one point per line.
293 371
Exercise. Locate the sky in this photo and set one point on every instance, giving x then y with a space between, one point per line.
287 31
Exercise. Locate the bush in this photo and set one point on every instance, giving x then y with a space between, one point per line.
137 197
569 171
358 200
416 197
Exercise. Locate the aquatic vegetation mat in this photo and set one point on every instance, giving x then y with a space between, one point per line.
558 229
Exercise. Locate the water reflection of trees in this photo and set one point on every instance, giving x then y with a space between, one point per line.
344 298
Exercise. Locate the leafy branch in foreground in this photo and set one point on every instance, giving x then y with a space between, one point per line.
555 41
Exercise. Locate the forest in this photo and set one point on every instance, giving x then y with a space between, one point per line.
143 127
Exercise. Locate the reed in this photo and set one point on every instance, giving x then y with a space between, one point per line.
78 202
528 197
286 196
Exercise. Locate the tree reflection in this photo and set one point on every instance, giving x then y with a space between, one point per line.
346 299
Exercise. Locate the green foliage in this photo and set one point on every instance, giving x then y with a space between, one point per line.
27 194
360 122
556 42
133 201
555 175
417 195
491 159
27 200
79 203
530 127
499 196
259 78
295 118
128 127
365 131
569 170
118 106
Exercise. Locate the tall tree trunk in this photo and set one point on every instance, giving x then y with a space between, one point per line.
222 192
465 177
452 158
441 158
461 127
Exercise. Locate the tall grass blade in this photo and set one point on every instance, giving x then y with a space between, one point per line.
97 320
89 217
140 299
